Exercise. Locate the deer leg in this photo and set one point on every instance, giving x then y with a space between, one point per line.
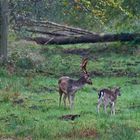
60 93
113 109
64 99
105 105
71 101
105 109
99 103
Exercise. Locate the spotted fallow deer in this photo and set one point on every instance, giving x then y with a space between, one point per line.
68 86
107 97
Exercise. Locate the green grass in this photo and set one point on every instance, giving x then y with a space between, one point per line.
38 115
54 60
29 97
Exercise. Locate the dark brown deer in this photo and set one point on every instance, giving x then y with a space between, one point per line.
107 97
69 86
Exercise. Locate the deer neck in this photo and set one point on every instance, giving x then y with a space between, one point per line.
75 85
114 95
79 83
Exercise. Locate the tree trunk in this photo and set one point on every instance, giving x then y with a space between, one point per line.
62 34
87 39
3 29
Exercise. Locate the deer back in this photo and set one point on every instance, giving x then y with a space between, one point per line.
108 94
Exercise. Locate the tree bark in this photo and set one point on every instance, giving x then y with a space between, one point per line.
3 29
123 37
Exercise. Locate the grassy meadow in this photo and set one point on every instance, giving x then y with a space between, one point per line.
29 94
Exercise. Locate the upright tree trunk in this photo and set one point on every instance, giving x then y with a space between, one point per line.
3 29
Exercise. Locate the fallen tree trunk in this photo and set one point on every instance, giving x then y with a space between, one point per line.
90 38
53 33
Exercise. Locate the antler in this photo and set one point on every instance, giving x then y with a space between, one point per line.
83 65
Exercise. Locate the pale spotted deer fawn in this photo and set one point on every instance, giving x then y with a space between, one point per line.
69 86
107 97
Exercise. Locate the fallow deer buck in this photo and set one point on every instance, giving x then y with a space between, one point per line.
68 86
107 97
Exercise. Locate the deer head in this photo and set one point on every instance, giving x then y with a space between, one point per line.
85 73
117 91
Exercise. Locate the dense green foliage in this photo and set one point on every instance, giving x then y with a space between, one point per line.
97 15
